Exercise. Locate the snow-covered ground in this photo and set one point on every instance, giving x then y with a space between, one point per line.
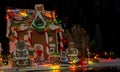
102 63
106 62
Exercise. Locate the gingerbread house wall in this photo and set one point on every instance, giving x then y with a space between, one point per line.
39 38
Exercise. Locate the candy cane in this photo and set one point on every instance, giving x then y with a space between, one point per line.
61 40
8 26
16 35
47 43
29 38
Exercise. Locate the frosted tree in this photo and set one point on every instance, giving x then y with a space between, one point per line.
81 39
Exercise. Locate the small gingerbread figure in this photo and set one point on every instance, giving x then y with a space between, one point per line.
72 52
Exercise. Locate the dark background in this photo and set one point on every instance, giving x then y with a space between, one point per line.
99 17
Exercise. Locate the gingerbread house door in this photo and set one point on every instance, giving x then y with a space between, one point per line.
39 53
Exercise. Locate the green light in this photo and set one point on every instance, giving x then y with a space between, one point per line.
5 62
60 21
58 43
75 60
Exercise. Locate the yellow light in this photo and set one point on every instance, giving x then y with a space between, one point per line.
90 62
48 15
46 28
55 67
111 53
55 71
9 10
24 14
0 59
105 53
96 56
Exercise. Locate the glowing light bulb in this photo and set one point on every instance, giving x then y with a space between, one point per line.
9 10
24 14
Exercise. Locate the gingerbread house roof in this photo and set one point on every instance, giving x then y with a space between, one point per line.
38 19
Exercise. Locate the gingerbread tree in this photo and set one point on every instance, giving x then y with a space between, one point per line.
21 55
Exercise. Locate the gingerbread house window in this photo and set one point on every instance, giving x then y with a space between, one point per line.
52 48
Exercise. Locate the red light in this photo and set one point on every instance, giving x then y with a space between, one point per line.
7 17
72 68
110 58
84 63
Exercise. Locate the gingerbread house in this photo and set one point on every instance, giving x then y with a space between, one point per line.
39 28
